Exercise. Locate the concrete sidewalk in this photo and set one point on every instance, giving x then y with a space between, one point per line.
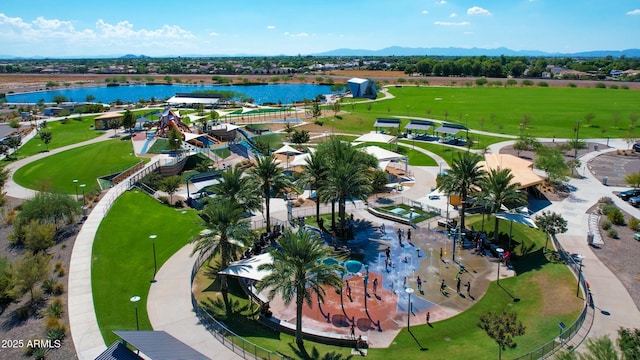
169 307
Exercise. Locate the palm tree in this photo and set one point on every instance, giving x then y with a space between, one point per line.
228 232
238 188
269 177
314 174
499 189
347 177
465 175
296 271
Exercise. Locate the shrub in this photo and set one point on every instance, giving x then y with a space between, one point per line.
634 224
58 289
625 87
607 209
319 122
48 285
527 82
55 334
51 323
164 199
613 233
616 217
56 308
543 84
606 200
572 85
606 225
601 85
613 86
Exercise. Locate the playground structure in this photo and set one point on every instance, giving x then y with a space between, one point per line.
170 119
375 299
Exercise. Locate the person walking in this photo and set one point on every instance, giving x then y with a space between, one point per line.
428 317
443 287
419 281
400 235
375 286
408 234
387 252
440 253
469 288
458 286
353 331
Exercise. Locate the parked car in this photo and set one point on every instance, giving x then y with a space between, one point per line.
628 194
636 147
635 201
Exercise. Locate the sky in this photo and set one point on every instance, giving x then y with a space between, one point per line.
88 28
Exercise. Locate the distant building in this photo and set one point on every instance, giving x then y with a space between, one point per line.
362 88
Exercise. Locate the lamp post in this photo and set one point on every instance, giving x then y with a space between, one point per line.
411 217
409 291
467 126
134 300
75 181
155 266
84 202
575 154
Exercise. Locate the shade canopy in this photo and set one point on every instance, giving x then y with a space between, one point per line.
248 268
521 169
392 123
288 150
383 154
419 125
375 138
448 130
159 345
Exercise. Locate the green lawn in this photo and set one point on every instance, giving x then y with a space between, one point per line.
554 111
57 172
448 153
545 290
122 263
63 133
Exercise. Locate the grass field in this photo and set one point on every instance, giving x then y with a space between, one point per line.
553 111
57 172
122 264
63 133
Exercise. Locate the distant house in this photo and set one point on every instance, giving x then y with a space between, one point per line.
52 111
362 88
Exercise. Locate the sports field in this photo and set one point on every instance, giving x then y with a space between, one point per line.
545 112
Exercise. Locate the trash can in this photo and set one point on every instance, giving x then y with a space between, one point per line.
595 147
590 238
604 180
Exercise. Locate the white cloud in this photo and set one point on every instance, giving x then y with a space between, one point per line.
124 29
468 32
449 23
214 34
302 34
441 2
425 12
271 27
476 10
452 15
634 12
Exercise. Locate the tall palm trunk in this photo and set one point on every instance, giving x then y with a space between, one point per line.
495 231
333 214
342 215
299 303
224 289
267 207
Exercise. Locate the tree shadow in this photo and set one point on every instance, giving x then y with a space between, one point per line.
22 314
531 261
302 353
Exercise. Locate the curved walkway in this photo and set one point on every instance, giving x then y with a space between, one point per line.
171 310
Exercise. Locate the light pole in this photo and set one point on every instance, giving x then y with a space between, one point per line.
84 202
155 266
575 154
409 292
75 181
134 300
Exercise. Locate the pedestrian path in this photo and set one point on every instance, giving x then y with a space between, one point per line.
613 304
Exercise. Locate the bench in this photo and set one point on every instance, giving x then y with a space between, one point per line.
323 337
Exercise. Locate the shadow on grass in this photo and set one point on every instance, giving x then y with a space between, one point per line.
315 354
531 261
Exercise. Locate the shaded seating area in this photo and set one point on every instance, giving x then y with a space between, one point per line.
448 134
385 123
416 126
154 345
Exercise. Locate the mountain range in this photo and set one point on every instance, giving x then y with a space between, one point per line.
391 51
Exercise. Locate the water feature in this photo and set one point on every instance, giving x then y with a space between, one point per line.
273 93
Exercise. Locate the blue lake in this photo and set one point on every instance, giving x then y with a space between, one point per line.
272 93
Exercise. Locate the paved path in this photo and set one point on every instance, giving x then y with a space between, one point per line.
169 304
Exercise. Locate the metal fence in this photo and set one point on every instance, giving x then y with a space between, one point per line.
571 335
228 338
